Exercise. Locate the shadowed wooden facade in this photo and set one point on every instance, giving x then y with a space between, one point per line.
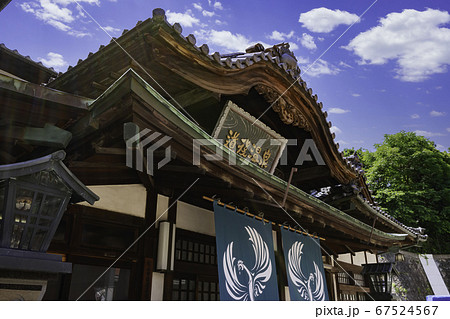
152 77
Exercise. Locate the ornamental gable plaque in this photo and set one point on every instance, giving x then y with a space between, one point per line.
249 138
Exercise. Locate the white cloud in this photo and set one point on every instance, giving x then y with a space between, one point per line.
208 13
337 110
27 7
224 39
427 133
186 19
110 29
415 116
335 129
54 60
441 147
293 46
436 113
198 6
326 20
321 67
79 34
342 142
342 63
411 38
307 41
448 129
302 60
58 14
220 22
58 25
280 36
218 6
356 94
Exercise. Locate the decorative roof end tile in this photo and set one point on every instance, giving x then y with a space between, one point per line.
159 15
177 27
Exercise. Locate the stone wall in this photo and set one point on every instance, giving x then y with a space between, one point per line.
412 283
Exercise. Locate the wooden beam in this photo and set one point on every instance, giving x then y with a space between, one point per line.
109 150
6 157
262 202
183 169
49 135
312 173
114 75
81 164
350 250
353 288
99 86
192 97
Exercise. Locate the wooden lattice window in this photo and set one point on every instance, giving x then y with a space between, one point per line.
343 278
192 250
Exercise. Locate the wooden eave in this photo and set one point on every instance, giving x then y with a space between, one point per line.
27 104
150 110
190 64
14 85
159 46
28 108
155 43
13 62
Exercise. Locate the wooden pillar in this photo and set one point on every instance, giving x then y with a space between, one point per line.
335 284
147 248
169 275
280 264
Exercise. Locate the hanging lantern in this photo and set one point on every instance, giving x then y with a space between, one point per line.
379 277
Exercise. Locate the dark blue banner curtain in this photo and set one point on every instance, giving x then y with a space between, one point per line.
304 266
245 257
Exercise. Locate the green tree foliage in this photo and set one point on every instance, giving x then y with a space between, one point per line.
411 181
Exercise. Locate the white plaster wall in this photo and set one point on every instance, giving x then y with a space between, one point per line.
345 258
359 258
157 286
195 219
126 199
371 258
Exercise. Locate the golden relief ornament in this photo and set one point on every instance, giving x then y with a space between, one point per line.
248 137
245 148
287 113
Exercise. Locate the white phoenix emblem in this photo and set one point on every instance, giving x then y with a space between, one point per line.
310 288
257 276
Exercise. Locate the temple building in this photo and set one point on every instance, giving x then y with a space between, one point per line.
146 134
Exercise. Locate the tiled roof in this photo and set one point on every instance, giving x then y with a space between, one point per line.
24 67
27 58
242 61
417 232
378 268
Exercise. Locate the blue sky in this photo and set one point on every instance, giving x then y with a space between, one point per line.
388 72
